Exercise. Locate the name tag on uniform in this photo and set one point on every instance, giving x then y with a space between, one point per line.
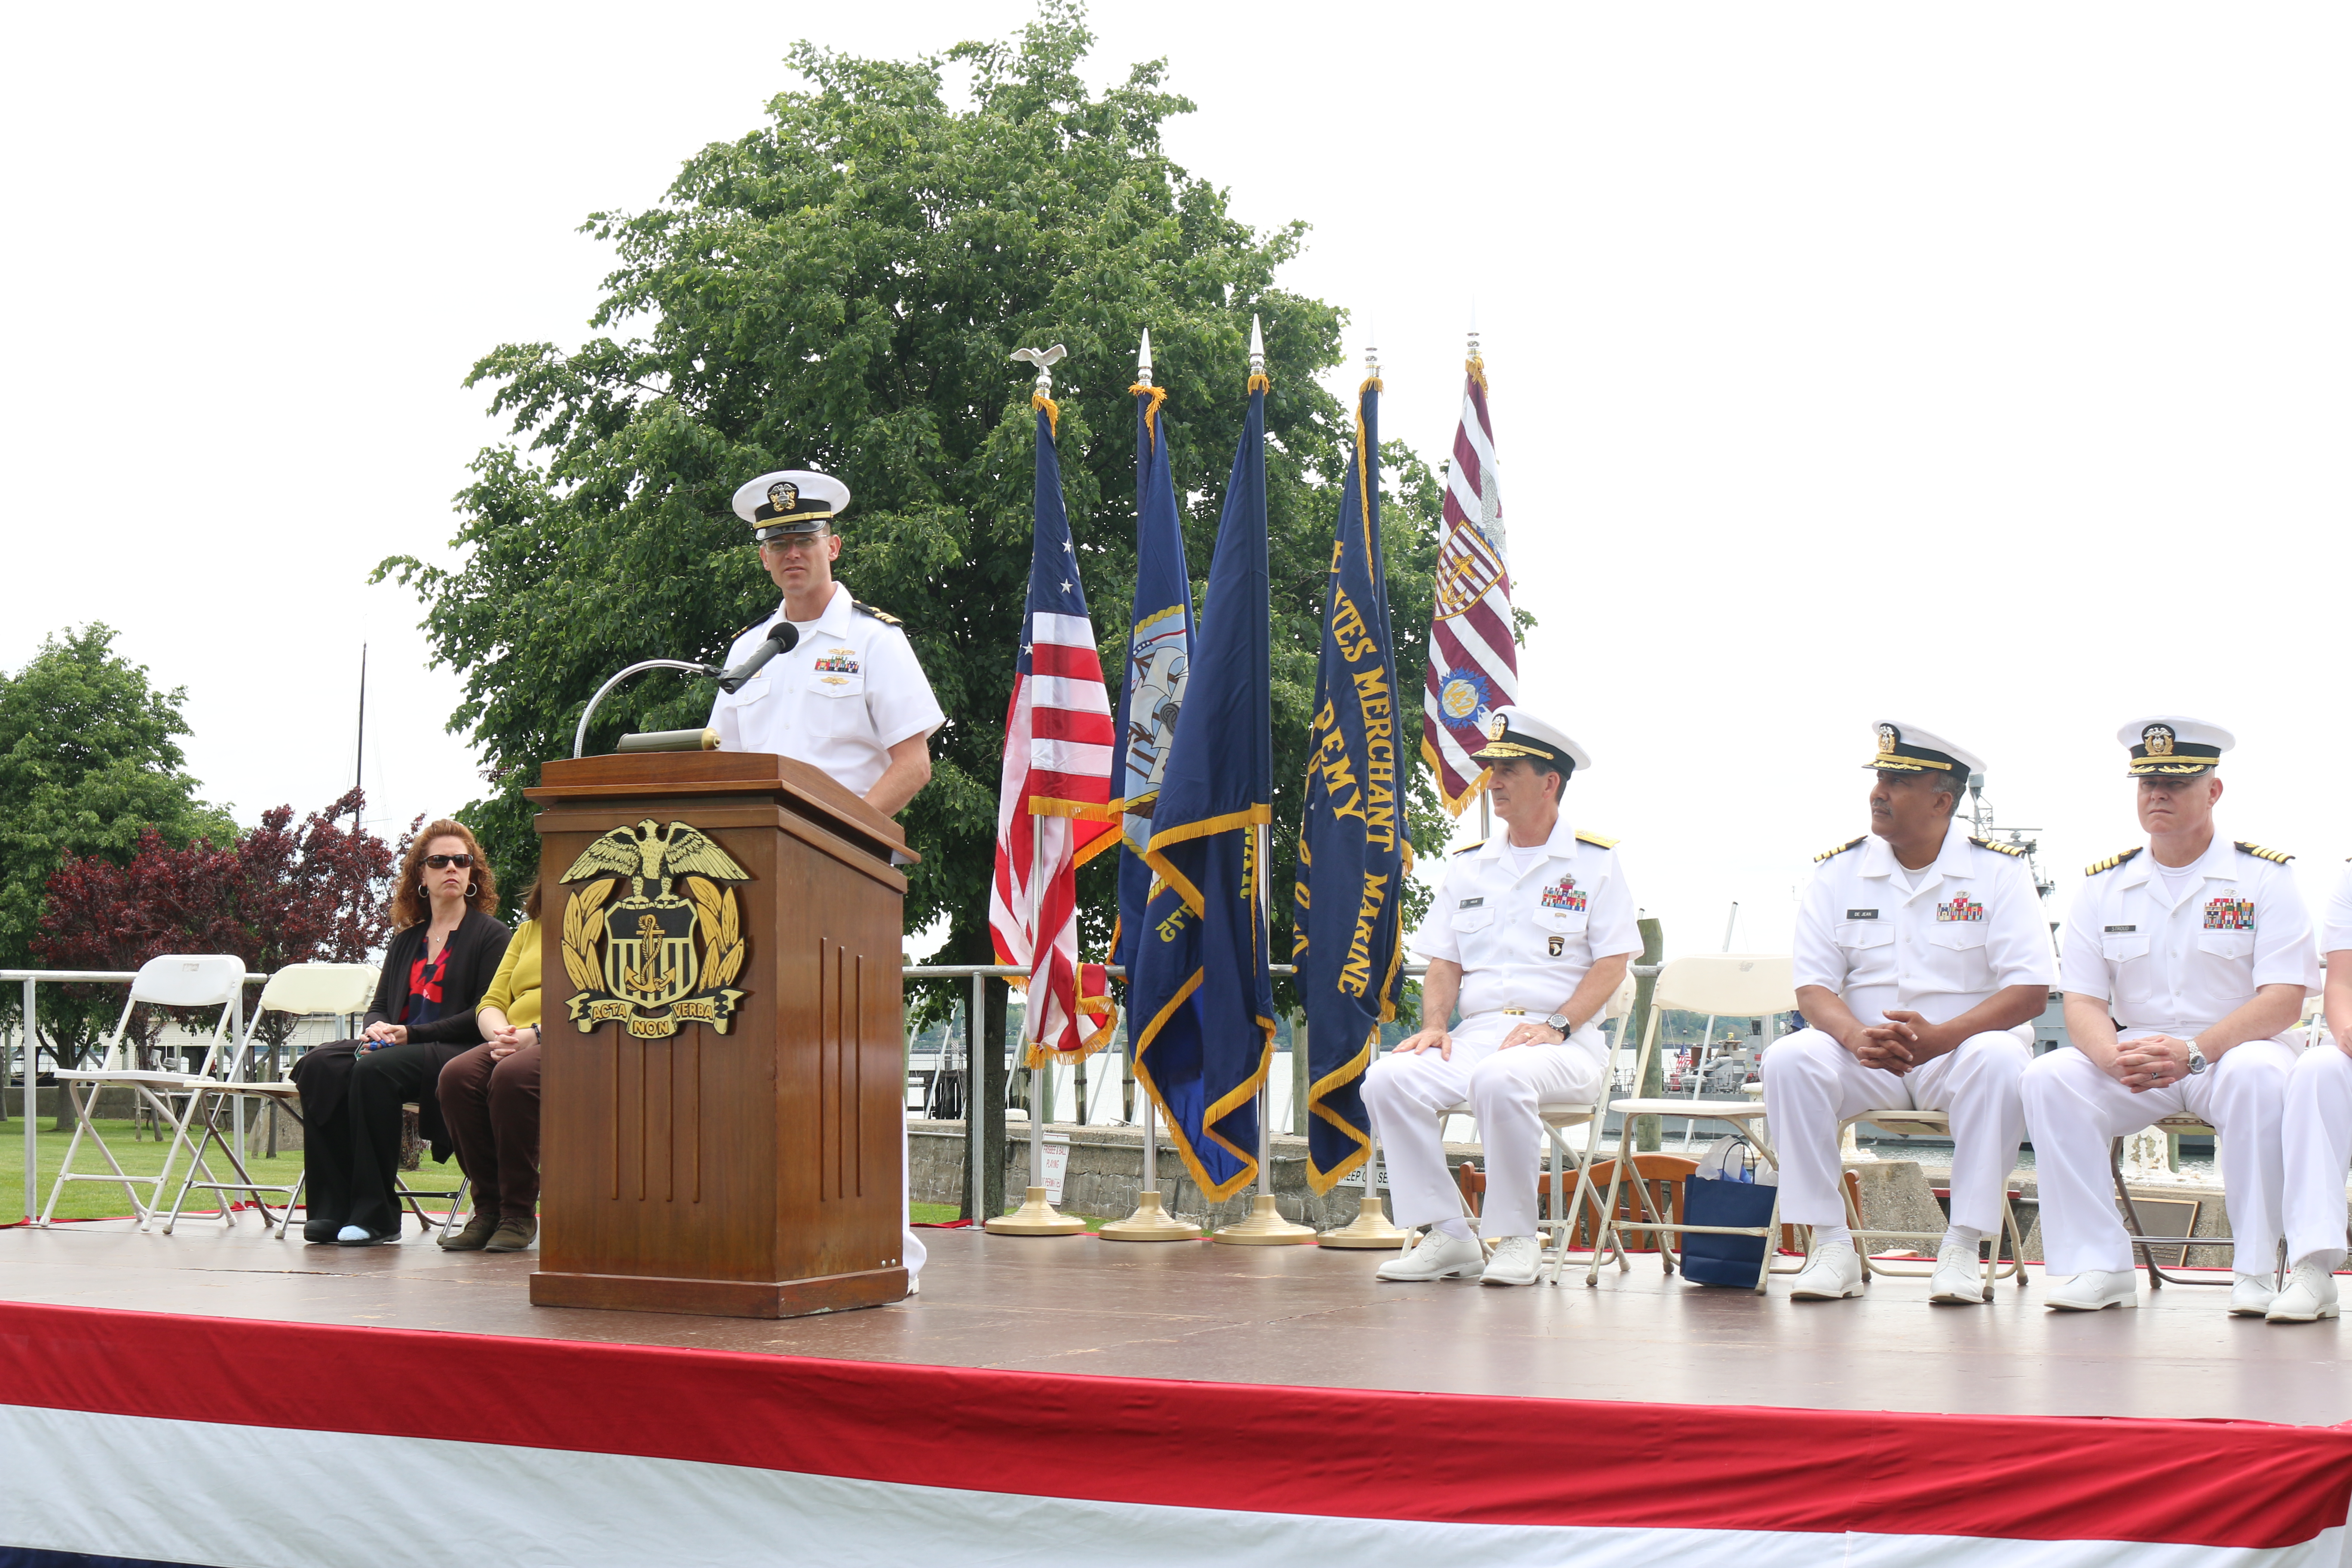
2116 931
1469 903
1861 914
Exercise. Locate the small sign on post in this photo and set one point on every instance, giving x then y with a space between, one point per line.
1058 1164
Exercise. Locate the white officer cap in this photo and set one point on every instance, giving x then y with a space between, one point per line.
790 501
1513 731
1908 749
2170 745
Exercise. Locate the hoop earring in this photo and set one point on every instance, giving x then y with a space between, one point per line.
426 892
472 887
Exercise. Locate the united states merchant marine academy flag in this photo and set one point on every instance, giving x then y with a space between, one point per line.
1473 665
1052 812
1352 855
1158 657
1200 999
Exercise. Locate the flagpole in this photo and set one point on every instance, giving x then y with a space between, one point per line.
1151 1221
1035 1217
1266 1226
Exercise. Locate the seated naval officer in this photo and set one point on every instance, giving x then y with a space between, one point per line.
2183 960
1921 960
1531 932
850 697
2315 1134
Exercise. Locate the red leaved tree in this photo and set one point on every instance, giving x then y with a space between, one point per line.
279 895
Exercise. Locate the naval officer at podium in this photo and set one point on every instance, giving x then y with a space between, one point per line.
848 697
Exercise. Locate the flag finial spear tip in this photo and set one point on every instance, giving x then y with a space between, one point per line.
1257 347
1143 361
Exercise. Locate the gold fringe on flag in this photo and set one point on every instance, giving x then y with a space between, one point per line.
1053 412
1151 415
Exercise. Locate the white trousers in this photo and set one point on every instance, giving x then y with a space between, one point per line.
1405 1094
2316 1141
1812 1083
2073 1110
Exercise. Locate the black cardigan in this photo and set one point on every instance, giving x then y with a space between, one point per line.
476 948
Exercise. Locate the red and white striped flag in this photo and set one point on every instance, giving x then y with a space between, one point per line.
1053 811
1474 663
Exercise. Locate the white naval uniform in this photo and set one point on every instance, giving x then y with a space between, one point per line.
2317 1130
1969 926
1502 928
2170 968
847 693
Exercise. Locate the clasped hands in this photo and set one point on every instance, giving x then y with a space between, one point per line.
378 1036
1900 1043
506 1042
1533 1033
2149 1062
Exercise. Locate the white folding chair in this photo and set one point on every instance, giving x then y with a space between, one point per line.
298 990
191 980
1728 986
1933 1124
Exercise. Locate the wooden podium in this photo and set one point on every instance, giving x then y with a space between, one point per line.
724 1136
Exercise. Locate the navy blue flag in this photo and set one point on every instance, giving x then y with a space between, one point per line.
1158 657
1348 923
1200 981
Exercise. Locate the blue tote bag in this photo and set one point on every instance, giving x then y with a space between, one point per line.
1732 1196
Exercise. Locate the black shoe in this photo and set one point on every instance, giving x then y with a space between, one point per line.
374 1237
321 1232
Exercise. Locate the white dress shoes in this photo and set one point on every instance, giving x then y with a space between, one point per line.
2309 1296
1833 1273
1438 1257
1515 1261
2251 1296
1960 1276
2094 1289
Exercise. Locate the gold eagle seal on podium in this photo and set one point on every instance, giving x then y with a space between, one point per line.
653 964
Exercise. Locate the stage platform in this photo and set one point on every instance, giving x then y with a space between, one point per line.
1298 1315
1075 1401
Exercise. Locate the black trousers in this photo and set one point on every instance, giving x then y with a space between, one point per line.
351 1148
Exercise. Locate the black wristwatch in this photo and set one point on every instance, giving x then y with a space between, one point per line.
1559 1021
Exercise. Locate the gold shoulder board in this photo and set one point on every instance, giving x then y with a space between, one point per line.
885 616
1998 848
1467 848
1597 839
2112 861
2259 853
1836 849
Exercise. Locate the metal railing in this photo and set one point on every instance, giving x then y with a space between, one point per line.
976 1111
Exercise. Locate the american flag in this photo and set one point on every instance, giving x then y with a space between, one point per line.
1053 813
1474 663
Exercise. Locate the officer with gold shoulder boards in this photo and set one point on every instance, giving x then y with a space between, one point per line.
2184 960
1531 932
848 698
1921 961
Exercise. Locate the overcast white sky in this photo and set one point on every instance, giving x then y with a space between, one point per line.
1979 366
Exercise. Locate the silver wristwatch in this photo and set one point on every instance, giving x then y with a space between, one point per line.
1559 1021
2196 1059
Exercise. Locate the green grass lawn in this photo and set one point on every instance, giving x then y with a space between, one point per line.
140 1156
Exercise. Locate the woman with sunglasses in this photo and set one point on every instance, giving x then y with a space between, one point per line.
444 953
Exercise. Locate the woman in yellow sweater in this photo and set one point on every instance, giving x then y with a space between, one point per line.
489 1098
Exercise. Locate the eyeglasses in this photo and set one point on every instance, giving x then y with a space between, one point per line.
463 862
790 543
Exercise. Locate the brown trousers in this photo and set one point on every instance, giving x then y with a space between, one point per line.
492 1109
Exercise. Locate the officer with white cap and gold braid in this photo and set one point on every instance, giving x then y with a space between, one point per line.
848 698
1921 961
1530 934
2184 960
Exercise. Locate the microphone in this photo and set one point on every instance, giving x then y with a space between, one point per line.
782 638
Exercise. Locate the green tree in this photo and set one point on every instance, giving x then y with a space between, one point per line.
89 760
840 288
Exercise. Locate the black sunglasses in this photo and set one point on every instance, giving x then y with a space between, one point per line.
463 862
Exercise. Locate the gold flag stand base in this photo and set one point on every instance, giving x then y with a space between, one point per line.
1035 1217
1369 1228
1265 1227
1150 1222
